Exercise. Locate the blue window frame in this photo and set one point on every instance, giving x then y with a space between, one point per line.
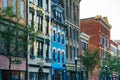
5 4
22 4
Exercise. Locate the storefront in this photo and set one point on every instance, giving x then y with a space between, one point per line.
72 74
39 73
15 75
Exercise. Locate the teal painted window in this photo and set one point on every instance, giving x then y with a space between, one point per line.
84 45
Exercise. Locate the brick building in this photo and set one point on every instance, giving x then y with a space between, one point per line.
98 28
17 70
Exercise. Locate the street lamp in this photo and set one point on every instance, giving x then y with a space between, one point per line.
76 59
106 67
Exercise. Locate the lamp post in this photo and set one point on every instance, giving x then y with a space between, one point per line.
76 59
106 67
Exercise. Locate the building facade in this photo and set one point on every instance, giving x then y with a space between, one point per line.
39 67
98 28
84 38
114 48
18 71
72 17
58 40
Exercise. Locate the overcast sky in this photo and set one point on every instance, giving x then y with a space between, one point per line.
109 8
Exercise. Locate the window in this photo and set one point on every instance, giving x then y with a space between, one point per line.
66 51
54 54
22 9
5 4
54 36
40 49
62 57
32 48
77 36
74 11
70 32
74 52
40 2
31 0
47 5
100 39
47 25
47 50
70 52
67 34
67 8
58 56
31 16
22 75
39 22
58 15
33 76
84 46
58 37
62 38
104 42
14 6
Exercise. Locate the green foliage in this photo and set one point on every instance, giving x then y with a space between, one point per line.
13 36
90 59
112 62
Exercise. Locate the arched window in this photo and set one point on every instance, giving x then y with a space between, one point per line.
54 35
62 38
58 37
58 56
54 53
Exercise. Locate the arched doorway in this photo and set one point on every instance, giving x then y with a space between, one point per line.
40 74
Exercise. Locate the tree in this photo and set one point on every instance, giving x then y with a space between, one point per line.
13 37
89 59
112 62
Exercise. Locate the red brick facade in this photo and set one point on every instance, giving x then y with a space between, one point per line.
99 30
